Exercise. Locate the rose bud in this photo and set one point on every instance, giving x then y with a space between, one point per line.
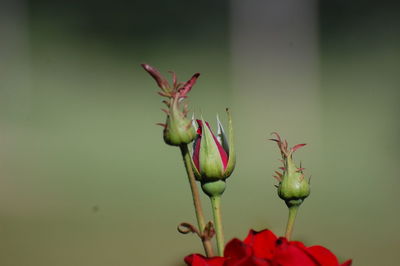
213 157
178 129
293 188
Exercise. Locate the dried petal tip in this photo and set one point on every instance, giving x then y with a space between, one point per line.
188 85
161 81
298 146
177 90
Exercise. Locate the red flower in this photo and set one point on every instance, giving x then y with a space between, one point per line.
265 249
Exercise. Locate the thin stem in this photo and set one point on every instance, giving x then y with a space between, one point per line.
216 209
290 223
196 199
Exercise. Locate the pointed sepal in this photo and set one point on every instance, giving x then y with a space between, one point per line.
231 151
210 160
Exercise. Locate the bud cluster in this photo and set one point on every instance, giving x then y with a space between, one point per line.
213 160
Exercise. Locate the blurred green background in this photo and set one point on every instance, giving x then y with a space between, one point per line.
86 179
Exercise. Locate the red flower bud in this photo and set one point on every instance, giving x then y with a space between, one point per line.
196 154
213 156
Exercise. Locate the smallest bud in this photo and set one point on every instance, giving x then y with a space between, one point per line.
293 188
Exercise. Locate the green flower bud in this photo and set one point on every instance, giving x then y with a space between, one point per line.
213 158
293 188
178 129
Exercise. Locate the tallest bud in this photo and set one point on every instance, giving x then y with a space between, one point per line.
213 156
178 129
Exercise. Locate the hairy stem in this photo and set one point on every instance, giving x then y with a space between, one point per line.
196 199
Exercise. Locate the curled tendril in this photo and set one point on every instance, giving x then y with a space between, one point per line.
186 228
208 233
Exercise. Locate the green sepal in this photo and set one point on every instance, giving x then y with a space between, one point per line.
231 156
293 188
221 136
214 188
179 129
211 166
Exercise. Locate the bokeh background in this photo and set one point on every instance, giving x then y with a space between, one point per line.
85 178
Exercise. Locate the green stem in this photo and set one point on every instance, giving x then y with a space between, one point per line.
216 209
196 199
290 223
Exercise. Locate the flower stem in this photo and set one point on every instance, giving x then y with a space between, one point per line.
216 209
290 223
196 199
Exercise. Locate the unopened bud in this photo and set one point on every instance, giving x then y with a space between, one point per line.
293 188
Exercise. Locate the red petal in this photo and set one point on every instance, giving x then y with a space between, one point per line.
200 260
200 127
196 152
262 243
248 261
237 253
236 249
298 244
323 255
196 145
288 254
